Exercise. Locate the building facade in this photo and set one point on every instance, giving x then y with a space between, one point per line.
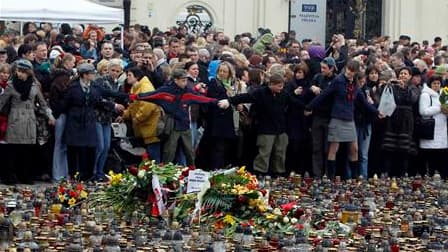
420 19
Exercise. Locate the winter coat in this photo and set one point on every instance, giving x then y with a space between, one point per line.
220 122
271 108
60 83
22 121
343 108
398 136
144 115
263 43
297 124
429 106
79 106
3 117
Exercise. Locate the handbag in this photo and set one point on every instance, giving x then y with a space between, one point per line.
424 127
165 125
387 101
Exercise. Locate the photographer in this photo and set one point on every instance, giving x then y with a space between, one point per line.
148 64
338 50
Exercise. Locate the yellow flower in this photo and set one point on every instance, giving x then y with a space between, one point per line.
271 217
83 194
229 219
241 189
262 208
71 201
253 202
61 197
115 178
242 170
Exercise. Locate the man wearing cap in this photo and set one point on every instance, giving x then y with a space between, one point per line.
175 99
321 115
80 101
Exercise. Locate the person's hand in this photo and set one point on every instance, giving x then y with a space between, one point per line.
200 88
149 65
92 43
119 119
381 115
316 90
119 108
51 122
223 104
307 113
298 91
240 108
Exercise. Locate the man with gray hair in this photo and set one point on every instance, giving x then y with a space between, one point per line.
161 61
204 60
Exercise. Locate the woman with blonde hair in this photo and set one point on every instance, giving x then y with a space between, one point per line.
221 124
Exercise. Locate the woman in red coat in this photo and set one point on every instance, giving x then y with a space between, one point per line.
5 72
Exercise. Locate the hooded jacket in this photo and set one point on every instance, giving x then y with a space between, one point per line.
429 106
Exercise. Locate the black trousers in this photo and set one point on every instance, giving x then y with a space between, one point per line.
18 166
298 156
396 163
434 160
81 159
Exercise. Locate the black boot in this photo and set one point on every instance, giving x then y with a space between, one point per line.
331 169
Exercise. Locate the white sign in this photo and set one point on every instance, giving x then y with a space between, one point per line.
196 179
308 19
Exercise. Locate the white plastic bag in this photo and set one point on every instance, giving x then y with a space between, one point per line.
387 101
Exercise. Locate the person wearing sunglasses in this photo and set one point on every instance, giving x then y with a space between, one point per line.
345 92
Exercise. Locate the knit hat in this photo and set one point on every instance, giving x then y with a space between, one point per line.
24 64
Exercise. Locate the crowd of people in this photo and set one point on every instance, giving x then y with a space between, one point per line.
269 102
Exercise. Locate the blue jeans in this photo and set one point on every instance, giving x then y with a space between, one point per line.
103 131
60 165
154 152
364 135
194 135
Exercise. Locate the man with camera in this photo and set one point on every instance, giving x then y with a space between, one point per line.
147 65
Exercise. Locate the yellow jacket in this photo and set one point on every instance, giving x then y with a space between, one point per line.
144 115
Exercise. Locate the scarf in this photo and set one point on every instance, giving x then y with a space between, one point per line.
227 84
23 87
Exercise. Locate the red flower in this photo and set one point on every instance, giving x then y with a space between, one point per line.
79 187
218 214
133 170
145 156
299 226
288 207
73 194
61 189
242 199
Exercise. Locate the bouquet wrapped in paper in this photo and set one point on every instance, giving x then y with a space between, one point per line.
444 100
